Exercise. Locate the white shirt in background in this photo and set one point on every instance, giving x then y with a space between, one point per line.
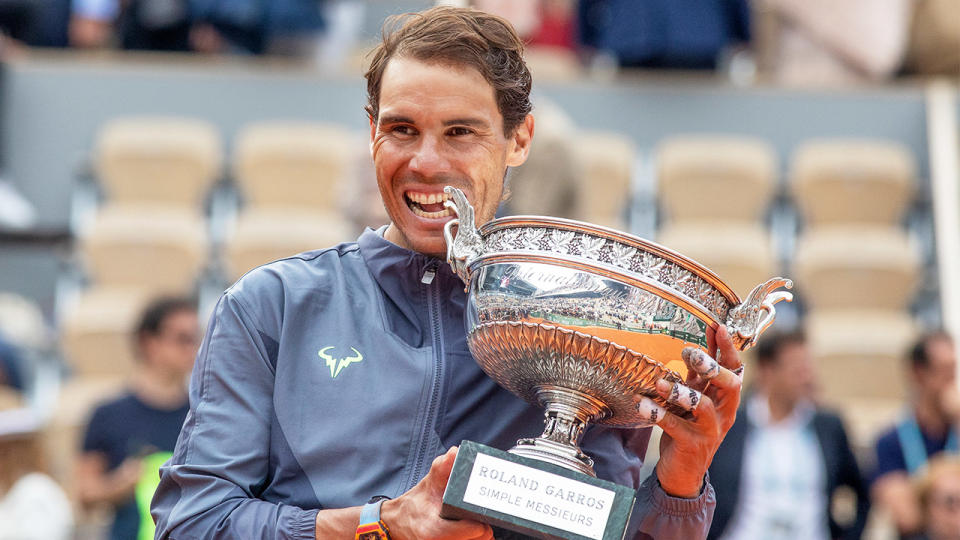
35 508
782 485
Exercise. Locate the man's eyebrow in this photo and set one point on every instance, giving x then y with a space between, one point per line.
395 119
473 122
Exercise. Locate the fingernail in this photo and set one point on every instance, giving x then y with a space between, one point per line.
664 387
648 409
686 352
723 330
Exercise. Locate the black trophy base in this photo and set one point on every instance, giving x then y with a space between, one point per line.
534 499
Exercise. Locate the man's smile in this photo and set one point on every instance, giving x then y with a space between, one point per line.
428 205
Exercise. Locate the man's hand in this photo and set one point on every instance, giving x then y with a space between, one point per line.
415 515
712 393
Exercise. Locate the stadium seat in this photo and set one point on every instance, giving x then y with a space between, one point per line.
859 353
158 160
549 182
856 266
852 181
261 236
703 177
10 398
740 253
63 437
608 161
96 331
290 164
553 64
157 249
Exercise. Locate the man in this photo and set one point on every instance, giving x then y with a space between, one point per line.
336 376
784 459
929 428
124 433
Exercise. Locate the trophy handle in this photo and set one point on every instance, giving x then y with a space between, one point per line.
751 317
466 244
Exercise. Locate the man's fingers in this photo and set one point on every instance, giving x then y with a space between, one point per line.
442 465
700 362
680 395
726 351
650 411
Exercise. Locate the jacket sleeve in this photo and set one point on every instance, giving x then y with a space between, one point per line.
209 487
851 476
656 515
662 517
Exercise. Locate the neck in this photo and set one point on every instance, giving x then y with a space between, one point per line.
929 417
159 389
780 407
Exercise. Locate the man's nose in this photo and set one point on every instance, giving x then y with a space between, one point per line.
429 157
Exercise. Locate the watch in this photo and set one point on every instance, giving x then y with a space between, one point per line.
371 527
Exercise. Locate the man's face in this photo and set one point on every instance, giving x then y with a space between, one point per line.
439 125
940 374
174 347
791 375
943 508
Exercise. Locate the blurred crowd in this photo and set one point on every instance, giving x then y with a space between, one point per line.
790 41
786 469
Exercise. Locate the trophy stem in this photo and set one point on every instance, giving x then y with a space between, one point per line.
567 414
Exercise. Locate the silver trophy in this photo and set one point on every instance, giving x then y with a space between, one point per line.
583 320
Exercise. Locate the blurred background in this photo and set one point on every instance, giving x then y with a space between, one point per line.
153 148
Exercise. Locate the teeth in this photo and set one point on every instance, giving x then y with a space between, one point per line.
427 198
432 215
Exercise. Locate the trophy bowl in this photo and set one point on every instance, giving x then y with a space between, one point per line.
583 320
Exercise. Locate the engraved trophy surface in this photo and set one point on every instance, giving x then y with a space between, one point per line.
581 320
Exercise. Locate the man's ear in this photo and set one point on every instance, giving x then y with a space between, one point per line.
522 137
373 132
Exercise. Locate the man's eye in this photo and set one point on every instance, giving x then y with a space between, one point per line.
459 131
403 130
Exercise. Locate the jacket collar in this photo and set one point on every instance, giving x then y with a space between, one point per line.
400 274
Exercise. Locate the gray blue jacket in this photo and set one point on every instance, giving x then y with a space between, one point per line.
335 375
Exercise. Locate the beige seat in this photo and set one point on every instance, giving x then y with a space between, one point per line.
866 418
549 182
63 437
151 248
10 398
261 236
288 164
158 160
702 177
740 253
857 266
608 162
96 331
553 64
859 353
852 181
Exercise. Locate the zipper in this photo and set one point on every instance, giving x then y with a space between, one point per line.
433 308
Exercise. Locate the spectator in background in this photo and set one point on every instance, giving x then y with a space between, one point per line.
664 33
929 428
783 460
939 495
10 366
160 25
32 505
281 27
825 42
136 432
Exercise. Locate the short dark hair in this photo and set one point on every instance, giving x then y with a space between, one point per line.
919 353
770 347
157 312
459 37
